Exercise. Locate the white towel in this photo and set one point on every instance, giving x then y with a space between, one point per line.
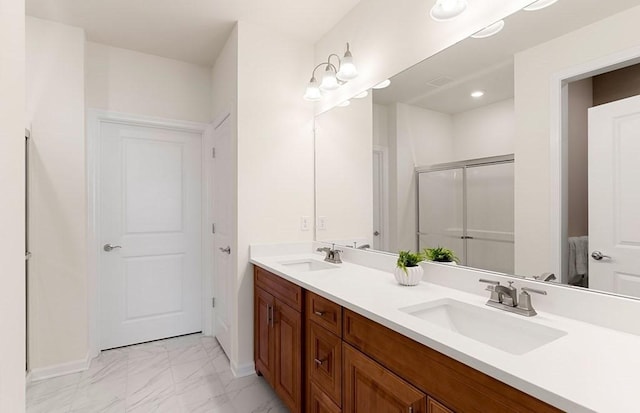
578 259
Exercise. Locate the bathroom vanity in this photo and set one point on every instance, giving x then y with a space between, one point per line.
347 337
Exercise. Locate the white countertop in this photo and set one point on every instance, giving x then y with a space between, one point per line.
590 369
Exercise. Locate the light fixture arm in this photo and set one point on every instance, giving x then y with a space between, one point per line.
327 63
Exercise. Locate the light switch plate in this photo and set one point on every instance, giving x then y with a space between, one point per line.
322 223
304 223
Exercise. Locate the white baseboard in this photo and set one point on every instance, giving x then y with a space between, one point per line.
59 369
243 370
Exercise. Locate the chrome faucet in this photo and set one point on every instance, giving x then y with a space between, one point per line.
332 254
506 298
545 276
364 246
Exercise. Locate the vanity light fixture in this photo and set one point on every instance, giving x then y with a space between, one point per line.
344 104
447 9
361 95
333 76
477 94
382 84
490 30
539 5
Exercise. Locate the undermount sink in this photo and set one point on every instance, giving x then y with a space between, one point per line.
499 330
307 265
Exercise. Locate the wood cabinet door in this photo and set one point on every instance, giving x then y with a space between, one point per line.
369 387
264 340
324 361
288 330
319 402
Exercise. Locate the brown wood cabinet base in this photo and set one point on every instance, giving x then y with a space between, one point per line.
354 364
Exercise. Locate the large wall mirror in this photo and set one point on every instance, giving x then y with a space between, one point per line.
459 150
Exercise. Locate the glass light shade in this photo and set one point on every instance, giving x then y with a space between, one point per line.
348 70
539 5
448 9
490 30
361 95
344 104
329 80
313 91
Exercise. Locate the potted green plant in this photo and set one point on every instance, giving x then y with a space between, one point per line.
408 271
441 254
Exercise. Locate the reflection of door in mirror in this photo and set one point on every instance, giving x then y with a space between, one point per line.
614 204
601 206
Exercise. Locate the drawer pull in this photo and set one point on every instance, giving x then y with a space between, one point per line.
319 313
319 362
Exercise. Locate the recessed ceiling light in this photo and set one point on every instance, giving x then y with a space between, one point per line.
447 9
477 94
539 5
345 103
489 31
382 84
362 95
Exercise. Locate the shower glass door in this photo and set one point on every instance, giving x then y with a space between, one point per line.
441 210
489 220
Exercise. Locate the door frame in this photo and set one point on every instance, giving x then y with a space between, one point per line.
384 191
95 117
558 135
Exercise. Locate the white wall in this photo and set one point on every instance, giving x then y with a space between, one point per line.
275 155
12 123
534 69
343 143
486 131
381 125
387 38
137 83
58 268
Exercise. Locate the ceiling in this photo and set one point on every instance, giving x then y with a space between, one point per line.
445 81
188 30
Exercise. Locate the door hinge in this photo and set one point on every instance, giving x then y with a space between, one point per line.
213 228
213 152
213 302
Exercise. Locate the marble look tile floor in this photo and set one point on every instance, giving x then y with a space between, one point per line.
188 374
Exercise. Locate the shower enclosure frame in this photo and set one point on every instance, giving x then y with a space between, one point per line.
463 165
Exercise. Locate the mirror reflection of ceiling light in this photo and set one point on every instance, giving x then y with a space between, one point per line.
362 95
382 84
345 103
447 9
477 94
539 5
489 31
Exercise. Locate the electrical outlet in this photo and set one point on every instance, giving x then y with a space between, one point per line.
322 223
304 223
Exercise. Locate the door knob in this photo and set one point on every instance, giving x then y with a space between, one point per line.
597 255
227 250
109 247
376 233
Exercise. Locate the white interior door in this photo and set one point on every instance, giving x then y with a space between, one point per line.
222 212
150 207
614 196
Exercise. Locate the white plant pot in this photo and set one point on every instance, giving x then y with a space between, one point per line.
413 276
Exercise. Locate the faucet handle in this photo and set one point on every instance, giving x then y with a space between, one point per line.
495 297
533 290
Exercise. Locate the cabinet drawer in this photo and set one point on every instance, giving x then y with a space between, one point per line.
324 361
462 387
320 402
280 288
324 312
433 406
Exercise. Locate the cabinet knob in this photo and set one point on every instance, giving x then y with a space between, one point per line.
319 362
